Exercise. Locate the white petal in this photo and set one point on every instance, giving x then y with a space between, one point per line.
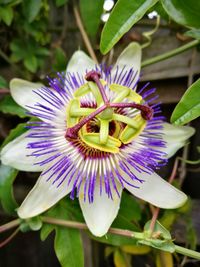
43 196
80 62
15 154
100 214
130 58
22 92
156 190
175 137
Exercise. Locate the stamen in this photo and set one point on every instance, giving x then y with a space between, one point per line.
94 76
146 111
72 132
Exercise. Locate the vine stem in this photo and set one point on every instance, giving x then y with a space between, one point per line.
187 252
169 54
7 240
9 225
83 226
116 231
156 209
84 35
4 91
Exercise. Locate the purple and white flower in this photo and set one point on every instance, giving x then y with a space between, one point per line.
96 134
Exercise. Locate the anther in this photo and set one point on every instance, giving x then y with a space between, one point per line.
146 111
72 132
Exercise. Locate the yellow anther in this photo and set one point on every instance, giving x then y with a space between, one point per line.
129 132
124 92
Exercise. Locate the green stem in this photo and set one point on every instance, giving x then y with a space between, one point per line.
169 54
192 162
187 252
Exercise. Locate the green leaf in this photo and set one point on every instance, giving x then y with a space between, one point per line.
46 230
5 2
31 63
3 82
10 2
129 212
159 244
168 218
158 228
124 15
42 51
119 259
60 3
160 10
19 48
91 12
67 244
193 33
164 259
191 232
129 207
8 105
73 209
29 51
7 177
183 12
189 106
14 133
68 247
159 239
31 9
60 60
6 14
115 240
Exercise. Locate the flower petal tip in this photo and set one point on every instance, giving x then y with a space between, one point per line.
15 153
177 199
80 62
24 213
100 214
175 137
22 92
181 200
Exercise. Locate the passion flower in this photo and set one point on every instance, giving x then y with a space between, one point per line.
96 134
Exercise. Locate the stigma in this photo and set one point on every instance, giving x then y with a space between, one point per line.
114 116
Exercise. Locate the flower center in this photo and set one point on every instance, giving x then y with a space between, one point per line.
105 125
